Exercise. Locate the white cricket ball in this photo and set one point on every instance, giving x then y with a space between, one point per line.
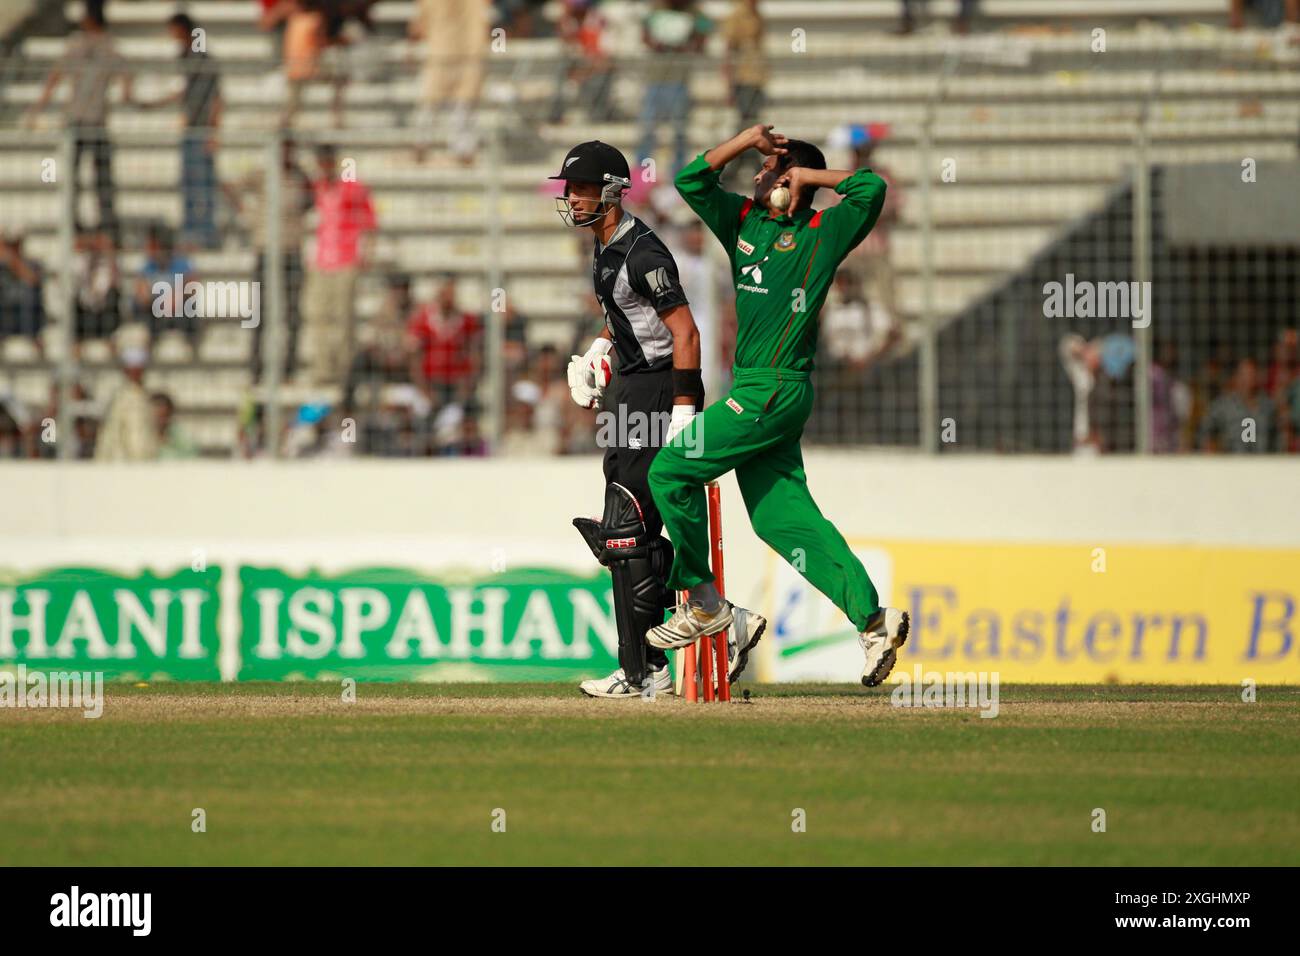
779 198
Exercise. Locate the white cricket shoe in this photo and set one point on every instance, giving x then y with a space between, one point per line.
885 633
688 624
616 685
747 629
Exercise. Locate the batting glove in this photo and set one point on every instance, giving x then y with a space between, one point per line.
590 374
682 415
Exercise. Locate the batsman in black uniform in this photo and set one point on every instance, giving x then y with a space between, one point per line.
652 394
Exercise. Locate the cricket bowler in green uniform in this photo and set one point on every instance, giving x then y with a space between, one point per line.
783 256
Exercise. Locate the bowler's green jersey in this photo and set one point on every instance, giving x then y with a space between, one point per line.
782 266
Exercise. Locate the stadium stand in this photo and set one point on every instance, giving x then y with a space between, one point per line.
1039 127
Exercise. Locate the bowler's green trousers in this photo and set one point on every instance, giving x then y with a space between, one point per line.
756 432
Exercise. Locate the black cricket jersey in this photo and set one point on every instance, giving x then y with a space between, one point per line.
635 279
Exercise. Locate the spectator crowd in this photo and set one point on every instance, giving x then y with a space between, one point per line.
407 375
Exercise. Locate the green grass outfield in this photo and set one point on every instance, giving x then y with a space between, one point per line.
411 774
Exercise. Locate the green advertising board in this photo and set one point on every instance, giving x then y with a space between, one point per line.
141 626
396 624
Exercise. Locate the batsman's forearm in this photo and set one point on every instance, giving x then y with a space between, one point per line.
686 350
724 153
686 358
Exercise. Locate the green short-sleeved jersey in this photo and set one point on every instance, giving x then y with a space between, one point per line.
773 258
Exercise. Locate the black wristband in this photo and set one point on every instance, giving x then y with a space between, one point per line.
687 381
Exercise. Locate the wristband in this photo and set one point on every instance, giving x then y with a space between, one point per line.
687 381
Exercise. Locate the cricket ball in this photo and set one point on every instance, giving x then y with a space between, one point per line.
780 198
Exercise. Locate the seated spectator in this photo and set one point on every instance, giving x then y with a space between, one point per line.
521 18
1241 420
1270 13
98 305
446 344
22 308
16 435
855 335
382 354
962 23
172 440
554 401
515 345
129 431
165 269
1284 362
1289 409
523 439
469 441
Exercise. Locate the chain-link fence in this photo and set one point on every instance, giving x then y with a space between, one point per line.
1082 250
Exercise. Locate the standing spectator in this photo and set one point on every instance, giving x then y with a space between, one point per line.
165 269
585 62
345 217
200 100
1113 401
172 440
22 307
249 197
1170 401
446 348
304 42
1081 360
129 432
273 19
745 65
455 35
746 73
1241 420
99 303
672 32
1101 375
92 62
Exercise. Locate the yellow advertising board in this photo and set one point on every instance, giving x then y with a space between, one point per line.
1058 613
